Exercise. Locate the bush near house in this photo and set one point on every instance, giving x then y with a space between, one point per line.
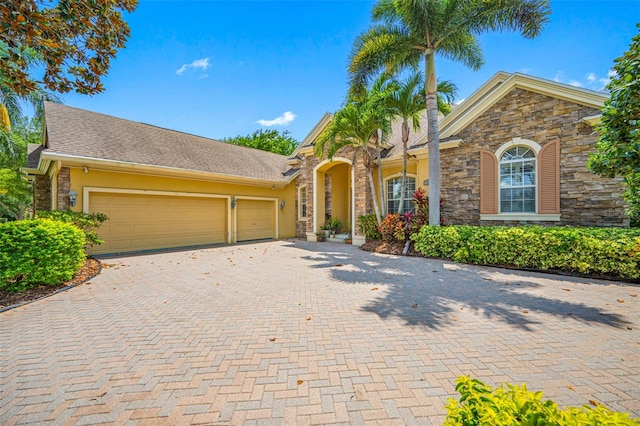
369 227
86 222
514 405
601 251
39 251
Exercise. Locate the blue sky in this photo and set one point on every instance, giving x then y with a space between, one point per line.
223 68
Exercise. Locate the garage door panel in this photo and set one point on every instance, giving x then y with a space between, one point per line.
141 222
255 220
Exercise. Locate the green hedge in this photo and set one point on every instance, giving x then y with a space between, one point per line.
514 405
39 251
601 251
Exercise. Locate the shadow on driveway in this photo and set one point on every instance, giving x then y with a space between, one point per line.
429 292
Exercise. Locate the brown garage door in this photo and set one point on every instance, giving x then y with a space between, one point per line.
142 222
256 220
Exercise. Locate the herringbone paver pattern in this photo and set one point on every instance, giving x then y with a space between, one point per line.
290 332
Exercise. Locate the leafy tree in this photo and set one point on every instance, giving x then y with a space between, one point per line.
267 140
408 32
618 149
15 191
76 39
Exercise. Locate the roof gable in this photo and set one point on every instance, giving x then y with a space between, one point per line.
500 85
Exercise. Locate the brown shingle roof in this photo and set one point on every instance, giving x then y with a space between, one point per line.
77 132
33 155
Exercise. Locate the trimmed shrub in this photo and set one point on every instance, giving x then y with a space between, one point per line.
369 227
603 251
87 222
515 405
39 251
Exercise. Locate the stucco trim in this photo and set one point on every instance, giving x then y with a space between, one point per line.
521 216
114 165
299 207
87 189
592 120
518 142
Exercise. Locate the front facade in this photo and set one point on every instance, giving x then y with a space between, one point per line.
514 152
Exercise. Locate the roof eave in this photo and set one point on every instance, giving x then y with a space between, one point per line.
115 165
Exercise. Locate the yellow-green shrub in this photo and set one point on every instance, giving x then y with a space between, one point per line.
508 405
602 251
39 251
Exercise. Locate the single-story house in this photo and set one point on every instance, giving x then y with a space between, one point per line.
514 152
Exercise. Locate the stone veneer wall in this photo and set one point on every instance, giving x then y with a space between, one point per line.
585 198
363 204
42 193
64 186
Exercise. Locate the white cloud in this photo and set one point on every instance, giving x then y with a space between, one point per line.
202 64
283 120
591 77
558 77
575 83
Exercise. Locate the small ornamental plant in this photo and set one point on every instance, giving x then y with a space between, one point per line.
507 405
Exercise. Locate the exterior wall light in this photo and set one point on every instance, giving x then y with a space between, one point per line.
73 196
233 202
282 205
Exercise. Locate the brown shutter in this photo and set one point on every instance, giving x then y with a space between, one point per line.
549 178
488 183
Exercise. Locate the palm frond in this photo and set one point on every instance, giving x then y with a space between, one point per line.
380 48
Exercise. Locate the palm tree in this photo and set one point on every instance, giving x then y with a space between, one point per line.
377 100
407 32
355 125
408 103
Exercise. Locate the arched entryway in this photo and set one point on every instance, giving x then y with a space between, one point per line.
333 195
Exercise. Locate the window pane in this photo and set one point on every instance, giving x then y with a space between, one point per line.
518 180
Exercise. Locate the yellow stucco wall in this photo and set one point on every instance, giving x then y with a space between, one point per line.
131 181
340 182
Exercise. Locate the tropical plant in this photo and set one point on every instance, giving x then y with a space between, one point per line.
377 98
618 148
356 125
406 32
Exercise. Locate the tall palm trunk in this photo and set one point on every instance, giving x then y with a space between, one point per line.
434 140
372 185
383 210
405 140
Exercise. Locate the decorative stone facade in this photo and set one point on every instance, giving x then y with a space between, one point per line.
585 198
64 186
42 193
361 190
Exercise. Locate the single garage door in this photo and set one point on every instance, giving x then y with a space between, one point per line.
142 222
256 220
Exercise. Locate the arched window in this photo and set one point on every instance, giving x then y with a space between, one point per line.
394 191
518 180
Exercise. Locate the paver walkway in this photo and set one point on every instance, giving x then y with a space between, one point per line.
289 332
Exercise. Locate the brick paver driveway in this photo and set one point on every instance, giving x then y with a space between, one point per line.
289 331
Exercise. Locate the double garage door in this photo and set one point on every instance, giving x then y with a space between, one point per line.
144 222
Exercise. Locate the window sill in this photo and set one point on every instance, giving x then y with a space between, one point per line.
521 216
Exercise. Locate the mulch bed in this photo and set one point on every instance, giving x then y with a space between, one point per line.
90 268
395 247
